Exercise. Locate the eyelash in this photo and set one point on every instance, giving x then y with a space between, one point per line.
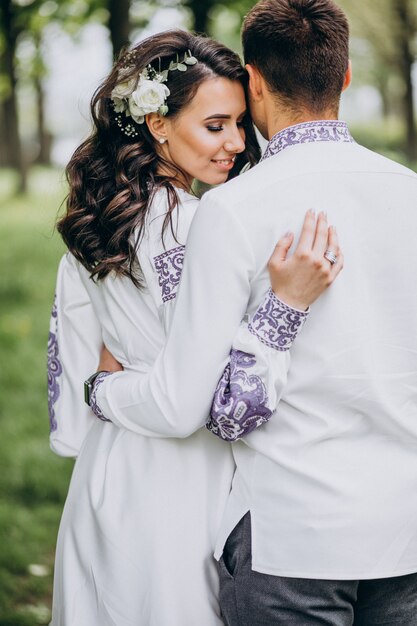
216 129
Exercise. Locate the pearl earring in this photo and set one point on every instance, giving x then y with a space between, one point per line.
162 140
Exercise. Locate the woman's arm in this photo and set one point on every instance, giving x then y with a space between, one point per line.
251 386
74 344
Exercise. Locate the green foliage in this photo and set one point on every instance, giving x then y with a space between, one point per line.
387 138
378 37
31 19
33 481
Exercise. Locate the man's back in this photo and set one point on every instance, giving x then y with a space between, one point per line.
328 480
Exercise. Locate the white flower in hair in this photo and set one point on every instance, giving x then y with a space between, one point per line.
148 97
136 97
119 105
124 89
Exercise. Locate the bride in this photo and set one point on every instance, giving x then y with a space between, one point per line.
137 533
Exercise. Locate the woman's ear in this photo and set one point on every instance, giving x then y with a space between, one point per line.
157 125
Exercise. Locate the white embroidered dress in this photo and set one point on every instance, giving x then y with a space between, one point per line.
138 529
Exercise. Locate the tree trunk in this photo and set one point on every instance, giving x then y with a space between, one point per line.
411 144
119 25
44 137
200 10
384 92
13 147
3 151
406 67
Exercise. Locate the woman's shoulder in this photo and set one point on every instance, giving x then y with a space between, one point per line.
161 199
166 227
164 248
68 266
75 280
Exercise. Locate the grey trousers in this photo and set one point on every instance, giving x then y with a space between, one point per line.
248 598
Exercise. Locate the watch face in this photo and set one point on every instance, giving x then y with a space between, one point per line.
88 386
87 392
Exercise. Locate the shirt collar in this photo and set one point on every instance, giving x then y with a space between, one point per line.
308 132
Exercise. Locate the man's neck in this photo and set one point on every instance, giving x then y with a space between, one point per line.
281 120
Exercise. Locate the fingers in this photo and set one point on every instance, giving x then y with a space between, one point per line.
281 249
307 232
332 241
314 235
338 266
333 245
321 237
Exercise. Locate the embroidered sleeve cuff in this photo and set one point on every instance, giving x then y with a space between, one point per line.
93 400
276 324
240 402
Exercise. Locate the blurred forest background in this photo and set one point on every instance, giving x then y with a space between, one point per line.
53 54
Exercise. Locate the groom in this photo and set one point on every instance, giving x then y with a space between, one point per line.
325 493
321 522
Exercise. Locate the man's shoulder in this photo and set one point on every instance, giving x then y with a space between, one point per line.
285 173
244 187
383 163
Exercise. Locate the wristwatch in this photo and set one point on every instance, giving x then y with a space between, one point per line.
89 385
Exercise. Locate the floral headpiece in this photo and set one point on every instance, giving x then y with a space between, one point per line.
136 97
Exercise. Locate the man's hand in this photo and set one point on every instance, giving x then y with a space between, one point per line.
301 278
108 363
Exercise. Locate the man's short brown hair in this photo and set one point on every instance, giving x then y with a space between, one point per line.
301 48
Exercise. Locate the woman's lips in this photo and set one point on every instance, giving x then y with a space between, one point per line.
224 164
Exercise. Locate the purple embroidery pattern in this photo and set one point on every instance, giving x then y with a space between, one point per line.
54 367
309 132
276 324
240 400
93 399
169 267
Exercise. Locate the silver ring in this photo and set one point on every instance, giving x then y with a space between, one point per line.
330 256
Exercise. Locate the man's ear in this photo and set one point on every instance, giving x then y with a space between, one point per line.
348 76
157 126
255 82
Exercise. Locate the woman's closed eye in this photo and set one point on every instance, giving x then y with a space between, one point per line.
215 129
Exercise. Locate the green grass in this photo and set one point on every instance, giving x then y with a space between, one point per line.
33 481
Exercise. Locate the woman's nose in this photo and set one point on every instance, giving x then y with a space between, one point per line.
235 143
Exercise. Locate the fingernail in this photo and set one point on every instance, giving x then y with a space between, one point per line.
288 234
311 211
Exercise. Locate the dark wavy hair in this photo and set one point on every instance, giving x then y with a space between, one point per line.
112 177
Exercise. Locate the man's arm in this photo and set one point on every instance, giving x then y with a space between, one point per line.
211 302
174 397
252 383
255 377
